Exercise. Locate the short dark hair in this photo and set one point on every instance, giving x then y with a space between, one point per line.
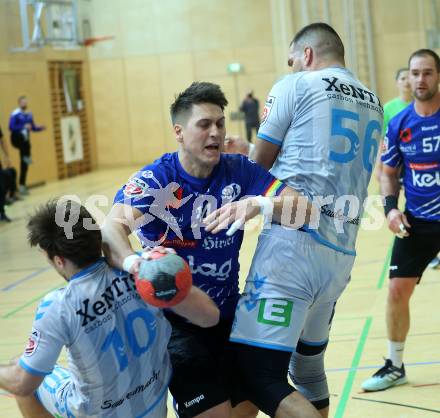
196 93
423 53
84 245
400 71
329 42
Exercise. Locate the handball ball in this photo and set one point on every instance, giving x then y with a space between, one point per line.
163 281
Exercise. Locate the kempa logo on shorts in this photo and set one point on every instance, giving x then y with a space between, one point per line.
275 312
194 401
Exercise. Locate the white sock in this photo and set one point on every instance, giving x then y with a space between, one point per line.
395 352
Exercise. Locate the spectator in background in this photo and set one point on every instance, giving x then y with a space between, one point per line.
8 174
21 123
251 107
5 178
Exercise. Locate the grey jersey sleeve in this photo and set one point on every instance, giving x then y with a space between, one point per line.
47 337
278 111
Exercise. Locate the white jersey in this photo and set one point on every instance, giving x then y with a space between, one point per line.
116 345
328 126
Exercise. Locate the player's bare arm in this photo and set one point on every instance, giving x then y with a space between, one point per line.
289 209
14 379
119 224
199 308
265 153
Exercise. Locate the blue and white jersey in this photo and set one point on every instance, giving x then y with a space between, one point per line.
328 126
19 119
174 205
116 345
414 141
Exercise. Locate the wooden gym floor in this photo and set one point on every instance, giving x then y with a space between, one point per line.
358 337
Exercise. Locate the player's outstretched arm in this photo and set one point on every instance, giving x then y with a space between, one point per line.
289 209
293 209
198 308
16 380
118 225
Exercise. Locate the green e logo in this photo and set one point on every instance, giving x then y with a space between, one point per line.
275 312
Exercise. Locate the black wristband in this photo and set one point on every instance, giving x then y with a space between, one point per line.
390 204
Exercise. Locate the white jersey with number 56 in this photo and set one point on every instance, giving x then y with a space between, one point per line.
328 125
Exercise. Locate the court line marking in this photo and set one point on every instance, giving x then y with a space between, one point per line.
382 337
377 366
385 267
19 308
342 404
397 404
18 282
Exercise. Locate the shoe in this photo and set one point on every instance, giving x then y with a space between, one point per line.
4 218
23 190
435 263
386 377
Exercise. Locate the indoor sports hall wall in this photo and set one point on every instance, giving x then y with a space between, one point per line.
26 73
162 46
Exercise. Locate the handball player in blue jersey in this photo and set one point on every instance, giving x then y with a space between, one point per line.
118 364
166 203
412 141
319 133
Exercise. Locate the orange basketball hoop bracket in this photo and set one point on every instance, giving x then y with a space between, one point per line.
96 39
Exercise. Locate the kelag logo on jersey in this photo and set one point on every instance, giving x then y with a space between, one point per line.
425 179
210 269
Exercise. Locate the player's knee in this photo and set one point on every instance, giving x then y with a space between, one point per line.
398 292
307 372
245 410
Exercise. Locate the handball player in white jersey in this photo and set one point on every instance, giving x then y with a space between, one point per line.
118 364
319 134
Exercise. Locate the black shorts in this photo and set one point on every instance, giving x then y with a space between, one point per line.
203 364
411 255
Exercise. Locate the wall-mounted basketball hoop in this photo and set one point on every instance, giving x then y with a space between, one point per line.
55 23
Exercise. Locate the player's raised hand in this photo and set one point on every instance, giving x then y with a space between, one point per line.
132 262
398 223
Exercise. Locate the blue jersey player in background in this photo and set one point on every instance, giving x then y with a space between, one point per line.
118 364
166 203
21 123
412 141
